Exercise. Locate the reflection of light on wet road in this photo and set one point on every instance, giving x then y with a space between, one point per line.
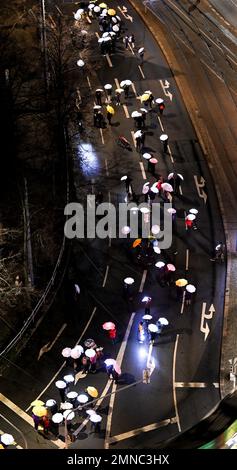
87 158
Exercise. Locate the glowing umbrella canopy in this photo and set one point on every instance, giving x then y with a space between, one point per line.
115 28
124 178
153 328
181 282
163 321
7 439
171 267
141 50
154 161
164 137
171 175
91 6
167 187
90 353
94 418
125 230
193 211
155 229
39 411
147 317
191 217
144 110
125 82
37 403
109 325
82 398
136 114
57 418
138 134
69 378
145 210
92 391
109 362
66 352
190 288
160 264
68 415
108 86
80 63
110 109
137 242
145 97
90 412
145 189
49 403
77 351
66 406
60 384
111 12
159 100
71 395
129 281
147 156
171 210
157 250
114 20
103 5
154 189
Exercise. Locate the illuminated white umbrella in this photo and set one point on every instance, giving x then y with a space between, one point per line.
90 353
171 210
171 175
191 217
160 264
147 156
49 403
153 328
109 362
97 9
7 439
157 250
72 395
115 28
82 398
90 412
95 418
66 352
114 20
100 40
124 178
108 86
57 418
138 134
145 188
68 415
190 288
104 35
154 161
125 82
167 187
136 114
154 189
159 101
145 210
163 321
69 378
60 384
118 17
97 106
66 406
77 351
141 50
129 281
155 229
147 317
125 230
108 38
91 6
193 211
80 63
148 92
144 110
163 137
134 209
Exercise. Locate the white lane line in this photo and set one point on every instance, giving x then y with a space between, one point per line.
134 89
89 83
184 43
213 71
232 60
187 259
63 365
170 154
143 170
131 48
97 35
102 136
79 95
143 280
192 384
211 40
141 71
180 11
160 122
119 360
109 60
174 391
106 166
126 111
180 190
136 432
106 275
133 138
19 412
117 83
182 306
216 384
88 19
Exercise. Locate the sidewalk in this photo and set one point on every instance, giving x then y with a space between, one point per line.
198 89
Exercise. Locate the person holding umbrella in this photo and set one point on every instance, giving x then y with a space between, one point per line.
164 139
161 105
95 420
118 92
141 54
190 291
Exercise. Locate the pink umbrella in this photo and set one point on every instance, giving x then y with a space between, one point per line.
171 267
66 352
109 325
167 187
153 160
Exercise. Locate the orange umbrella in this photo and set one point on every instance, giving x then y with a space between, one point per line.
137 242
181 282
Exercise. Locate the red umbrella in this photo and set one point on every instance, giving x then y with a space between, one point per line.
108 326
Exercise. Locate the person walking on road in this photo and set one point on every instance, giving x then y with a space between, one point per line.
126 90
138 143
132 40
126 41
109 117
98 95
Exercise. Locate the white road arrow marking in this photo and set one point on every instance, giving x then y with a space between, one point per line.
165 85
204 327
200 185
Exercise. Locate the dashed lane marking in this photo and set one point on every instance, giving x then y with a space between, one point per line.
137 431
143 280
143 170
141 71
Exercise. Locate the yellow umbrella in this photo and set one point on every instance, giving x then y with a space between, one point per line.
103 5
37 403
137 242
145 97
110 109
92 391
39 411
111 12
181 282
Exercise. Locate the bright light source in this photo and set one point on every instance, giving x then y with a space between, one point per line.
142 353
